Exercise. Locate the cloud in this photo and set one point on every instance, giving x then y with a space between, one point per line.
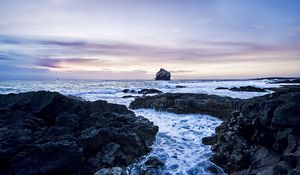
65 56
56 62
206 51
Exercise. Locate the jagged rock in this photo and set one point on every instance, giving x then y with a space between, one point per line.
150 91
110 171
248 89
48 133
162 74
263 139
188 103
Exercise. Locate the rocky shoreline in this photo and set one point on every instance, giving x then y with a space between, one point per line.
48 133
258 136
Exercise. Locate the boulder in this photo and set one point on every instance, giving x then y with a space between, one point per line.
49 133
162 74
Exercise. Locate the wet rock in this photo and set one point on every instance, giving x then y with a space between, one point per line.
48 133
263 139
154 162
248 89
180 86
209 140
162 74
110 171
186 103
221 88
128 91
150 91
130 96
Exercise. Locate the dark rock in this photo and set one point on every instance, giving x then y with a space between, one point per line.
221 88
263 139
130 96
110 171
209 140
248 89
154 162
162 74
128 91
188 103
48 133
150 91
179 86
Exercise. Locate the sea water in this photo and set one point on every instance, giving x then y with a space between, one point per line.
178 142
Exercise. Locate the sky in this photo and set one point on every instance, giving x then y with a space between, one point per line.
133 39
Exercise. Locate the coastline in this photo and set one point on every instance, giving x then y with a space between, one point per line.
196 103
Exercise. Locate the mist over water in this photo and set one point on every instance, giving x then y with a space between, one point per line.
178 143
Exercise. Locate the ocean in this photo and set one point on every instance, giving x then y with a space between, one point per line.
178 143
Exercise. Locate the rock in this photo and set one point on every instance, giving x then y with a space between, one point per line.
154 162
162 74
150 91
248 89
130 96
264 138
128 91
186 103
209 140
48 133
221 88
110 171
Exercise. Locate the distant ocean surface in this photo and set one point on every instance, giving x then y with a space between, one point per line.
178 142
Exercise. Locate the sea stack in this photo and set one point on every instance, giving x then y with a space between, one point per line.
163 74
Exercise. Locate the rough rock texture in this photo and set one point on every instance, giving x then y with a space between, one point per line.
150 91
248 89
162 74
262 138
188 103
48 133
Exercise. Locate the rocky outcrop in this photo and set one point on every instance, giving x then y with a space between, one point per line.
184 103
262 138
150 91
162 74
48 133
248 89
142 91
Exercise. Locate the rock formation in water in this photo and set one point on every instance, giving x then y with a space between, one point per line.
48 133
248 89
262 138
259 136
162 74
185 103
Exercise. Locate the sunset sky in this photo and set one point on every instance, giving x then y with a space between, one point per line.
133 39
